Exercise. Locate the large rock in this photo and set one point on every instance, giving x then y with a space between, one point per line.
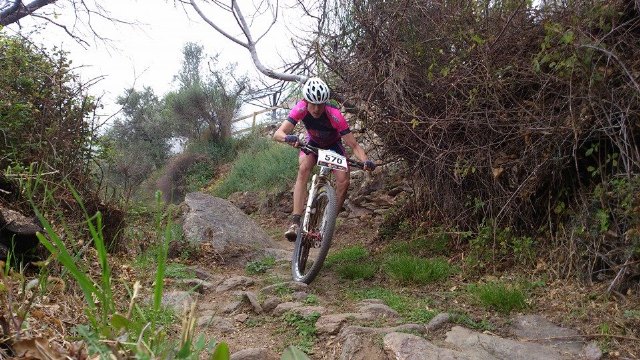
536 328
484 346
17 231
227 228
403 346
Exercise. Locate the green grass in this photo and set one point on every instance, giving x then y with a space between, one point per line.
356 271
414 309
304 328
417 270
105 322
632 314
499 296
434 243
311 300
267 166
345 255
260 266
465 320
352 263
179 271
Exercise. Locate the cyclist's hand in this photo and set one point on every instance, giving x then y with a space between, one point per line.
291 140
369 165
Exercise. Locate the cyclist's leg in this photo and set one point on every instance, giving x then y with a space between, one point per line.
342 185
306 163
342 177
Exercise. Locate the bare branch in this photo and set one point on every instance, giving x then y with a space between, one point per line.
79 40
18 10
218 29
248 43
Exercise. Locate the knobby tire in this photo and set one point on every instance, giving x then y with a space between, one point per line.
322 221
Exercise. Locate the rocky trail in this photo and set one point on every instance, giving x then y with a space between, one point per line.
240 291
248 313
259 315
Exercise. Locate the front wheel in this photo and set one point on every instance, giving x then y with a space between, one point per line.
312 246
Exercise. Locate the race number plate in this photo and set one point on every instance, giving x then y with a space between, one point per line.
332 160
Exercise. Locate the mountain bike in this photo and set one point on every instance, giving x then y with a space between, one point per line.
319 218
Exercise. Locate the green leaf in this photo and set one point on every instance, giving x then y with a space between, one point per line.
293 353
185 351
221 352
478 40
567 37
119 322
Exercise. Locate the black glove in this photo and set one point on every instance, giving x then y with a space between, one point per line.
291 139
369 165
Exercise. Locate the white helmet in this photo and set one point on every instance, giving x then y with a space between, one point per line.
316 91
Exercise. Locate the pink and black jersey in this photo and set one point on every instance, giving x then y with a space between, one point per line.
325 130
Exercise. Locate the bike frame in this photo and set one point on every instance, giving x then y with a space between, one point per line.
316 232
316 182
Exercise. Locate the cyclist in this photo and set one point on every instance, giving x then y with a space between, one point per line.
326 128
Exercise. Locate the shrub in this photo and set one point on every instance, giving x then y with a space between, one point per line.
499 296
412 269
174 182
352 263
266 166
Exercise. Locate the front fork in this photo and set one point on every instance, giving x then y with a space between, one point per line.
316 183
307 209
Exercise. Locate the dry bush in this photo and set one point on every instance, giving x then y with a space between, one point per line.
496 108
48 130
173 182
508 116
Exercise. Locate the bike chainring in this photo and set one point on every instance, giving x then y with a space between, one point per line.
313 239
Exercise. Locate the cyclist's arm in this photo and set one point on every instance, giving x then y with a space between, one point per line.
358 151
284 129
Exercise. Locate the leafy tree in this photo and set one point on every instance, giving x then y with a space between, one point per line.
47 120
45 112
138 142
204 104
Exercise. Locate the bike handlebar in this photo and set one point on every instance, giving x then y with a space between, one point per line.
312 149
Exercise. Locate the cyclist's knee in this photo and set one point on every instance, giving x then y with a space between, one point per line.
304 172
342 182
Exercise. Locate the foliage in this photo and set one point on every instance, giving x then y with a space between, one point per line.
305 329
499 296
604 228
137 143
465 320
425 241
260 266
411 308
203 106
264 166
495 107
179 271
414 269
352 263
47 120
43 107
499 248
105 314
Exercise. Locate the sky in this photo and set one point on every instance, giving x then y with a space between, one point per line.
149 53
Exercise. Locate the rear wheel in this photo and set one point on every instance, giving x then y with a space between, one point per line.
312 247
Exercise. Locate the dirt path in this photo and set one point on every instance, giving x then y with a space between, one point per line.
244 328
228 310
